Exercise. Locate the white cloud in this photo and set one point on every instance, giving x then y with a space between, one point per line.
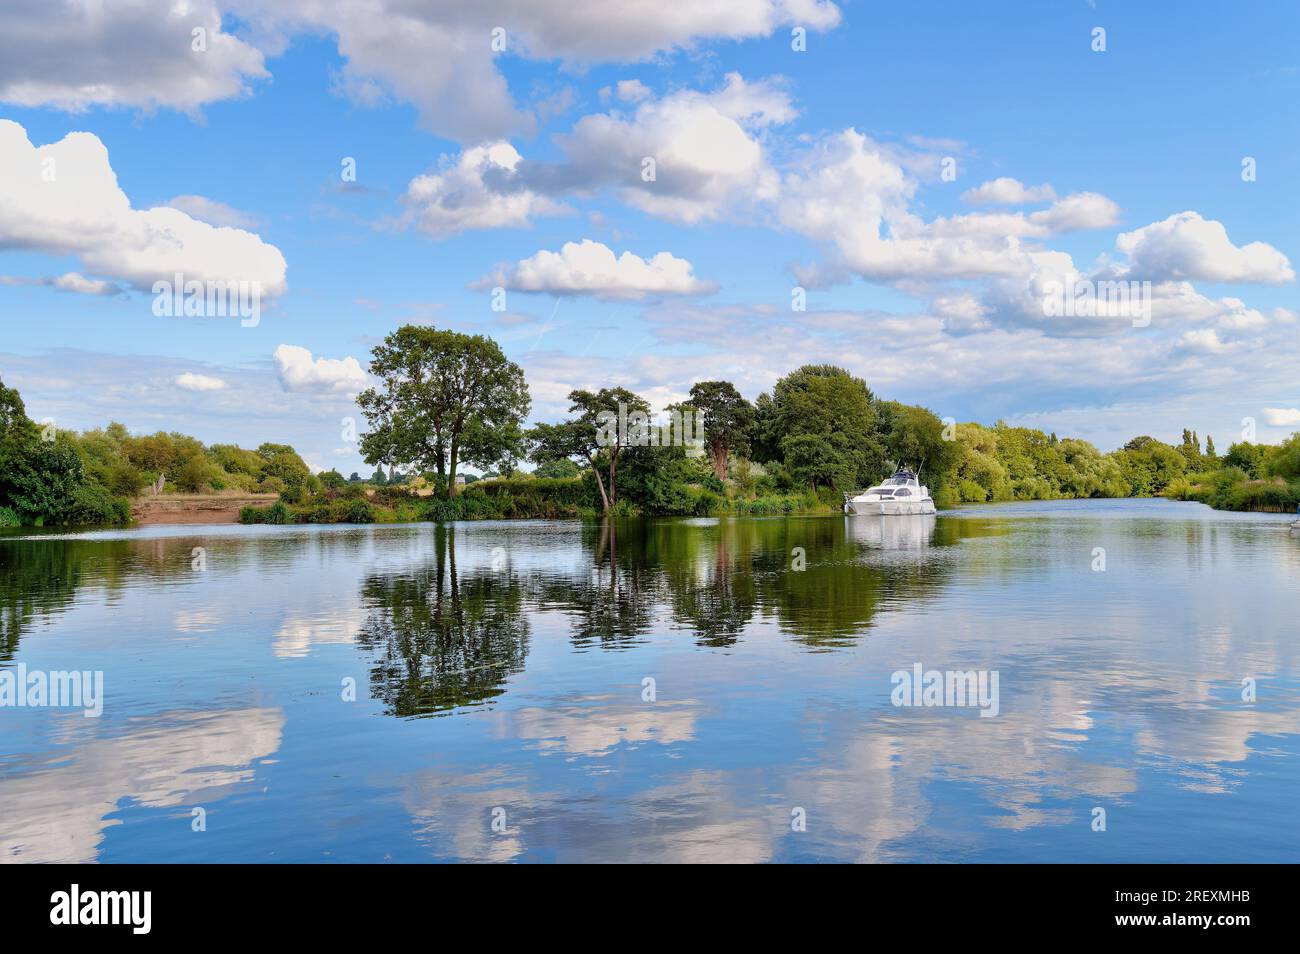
199 382
64 199
1187 246
435 55
1282 416
478 190
76 282
300 372
591 268
1204 340
705 147
212 212
73 56
855 195
1076 212
1008 191
68 282
850 193
438 55
632 91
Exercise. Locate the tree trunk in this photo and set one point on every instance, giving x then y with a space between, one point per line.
604 497
613 487
451 469
719 460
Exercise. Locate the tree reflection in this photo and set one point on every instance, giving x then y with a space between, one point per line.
823 581
711 579
40 578
441 640
613 605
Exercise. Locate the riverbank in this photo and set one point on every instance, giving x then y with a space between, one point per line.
195 508
519 498
1232 489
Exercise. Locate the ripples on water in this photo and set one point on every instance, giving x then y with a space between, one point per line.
501 668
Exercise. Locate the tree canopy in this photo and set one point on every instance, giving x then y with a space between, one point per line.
728 420
443 398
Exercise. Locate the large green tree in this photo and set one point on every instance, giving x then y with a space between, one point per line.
13 414
728 420
825 424
914 437
443 398
598 435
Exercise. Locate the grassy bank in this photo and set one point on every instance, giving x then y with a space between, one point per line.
1232 489
516 498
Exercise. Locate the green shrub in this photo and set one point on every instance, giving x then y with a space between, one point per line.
124 479
9 517
358 511
318 513
1257 495
277 513
566 490
92 505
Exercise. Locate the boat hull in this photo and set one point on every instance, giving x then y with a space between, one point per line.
890 508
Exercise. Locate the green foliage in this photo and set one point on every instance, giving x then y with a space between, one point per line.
38 477
358 511
443 398
90 504
287 467
1231 488
598 435
1284 461
1247 457
277 513
47 481
728 421
562 468
823 424
13 414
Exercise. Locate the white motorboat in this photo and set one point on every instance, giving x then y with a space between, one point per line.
903 493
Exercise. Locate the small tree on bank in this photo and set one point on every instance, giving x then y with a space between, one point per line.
728 419
591 436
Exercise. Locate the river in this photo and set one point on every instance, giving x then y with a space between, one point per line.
661 690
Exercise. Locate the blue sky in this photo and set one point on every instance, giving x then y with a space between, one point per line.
820 169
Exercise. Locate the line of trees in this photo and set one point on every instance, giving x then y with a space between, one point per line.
820 429
50 476
444 400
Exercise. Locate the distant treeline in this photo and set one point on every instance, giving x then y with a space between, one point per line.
818 433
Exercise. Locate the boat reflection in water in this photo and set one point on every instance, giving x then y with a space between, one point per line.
899 532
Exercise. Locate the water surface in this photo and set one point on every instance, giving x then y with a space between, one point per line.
501 673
